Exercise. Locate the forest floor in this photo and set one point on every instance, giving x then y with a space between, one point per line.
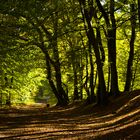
120 120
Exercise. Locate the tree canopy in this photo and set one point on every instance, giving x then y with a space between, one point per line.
68 50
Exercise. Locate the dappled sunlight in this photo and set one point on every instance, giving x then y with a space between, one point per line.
38 122
65 128
69 70
134 102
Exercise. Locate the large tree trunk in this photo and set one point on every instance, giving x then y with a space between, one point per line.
58 90
111 38
49 75
102 98
112 61
112 51
90 89
59 93
131 52
57 65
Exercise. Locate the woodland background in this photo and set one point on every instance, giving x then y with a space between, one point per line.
60 51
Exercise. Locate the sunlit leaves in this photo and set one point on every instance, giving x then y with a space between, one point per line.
21 58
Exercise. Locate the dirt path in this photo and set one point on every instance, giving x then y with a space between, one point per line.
69 124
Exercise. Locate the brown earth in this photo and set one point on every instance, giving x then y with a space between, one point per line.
120 120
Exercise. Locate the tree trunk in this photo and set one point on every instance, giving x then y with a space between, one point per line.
99 40
81 77
76 94
131 52
112 61
1 99
111 38
49 77
112 50
61 91
139 12
92 94
57 66
57 90
87 77
102 96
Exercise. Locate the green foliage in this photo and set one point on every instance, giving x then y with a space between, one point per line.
26 25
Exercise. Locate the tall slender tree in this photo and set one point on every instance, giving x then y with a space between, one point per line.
87 15
139 11
131 52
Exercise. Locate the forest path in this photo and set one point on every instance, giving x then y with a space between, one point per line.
73 123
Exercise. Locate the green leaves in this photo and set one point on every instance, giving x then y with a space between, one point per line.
58 28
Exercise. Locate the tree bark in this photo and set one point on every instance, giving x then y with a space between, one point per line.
111 43
139 12
131 52
92 94
102 96
58 90
57 65
112 51
76 94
